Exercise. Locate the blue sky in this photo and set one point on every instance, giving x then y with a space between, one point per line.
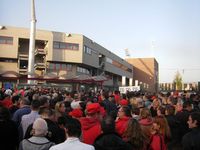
173 26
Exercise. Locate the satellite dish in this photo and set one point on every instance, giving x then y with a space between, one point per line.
68 35
2 27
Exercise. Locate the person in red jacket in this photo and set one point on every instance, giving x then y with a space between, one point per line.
91 127
124 115
160 134
7 102
76 113
117 97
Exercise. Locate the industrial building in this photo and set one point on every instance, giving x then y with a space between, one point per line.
61 59
146 73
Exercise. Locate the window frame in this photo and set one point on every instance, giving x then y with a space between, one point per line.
65 45
5 39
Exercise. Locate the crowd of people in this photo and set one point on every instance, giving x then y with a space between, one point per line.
48 118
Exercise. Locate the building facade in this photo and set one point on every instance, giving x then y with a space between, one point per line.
193 86
146 73
60 58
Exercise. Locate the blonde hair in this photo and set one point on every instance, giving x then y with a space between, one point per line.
157 101
58 105
145 113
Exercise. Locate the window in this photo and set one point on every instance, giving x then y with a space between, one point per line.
84 48
72 46
87 50
51 66
6 40
63 45
23 64
129 70
63 67
58 66
83 70
69 67
109 60
56 45
8 60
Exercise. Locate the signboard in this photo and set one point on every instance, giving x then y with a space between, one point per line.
124 89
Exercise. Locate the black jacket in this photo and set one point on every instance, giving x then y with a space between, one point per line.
110 141
9 137
111 108
174 125
191 141
183 118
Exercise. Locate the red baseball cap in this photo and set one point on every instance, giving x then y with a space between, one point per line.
76 113
93 108
123 102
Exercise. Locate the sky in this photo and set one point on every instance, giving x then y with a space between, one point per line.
168 30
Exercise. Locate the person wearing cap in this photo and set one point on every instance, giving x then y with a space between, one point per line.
38 141
76 113
123 102
7 101
75 105
73 133
91 126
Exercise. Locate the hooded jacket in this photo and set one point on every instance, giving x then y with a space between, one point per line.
121 125
146 125
91 128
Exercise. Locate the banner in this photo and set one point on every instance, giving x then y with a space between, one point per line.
124 89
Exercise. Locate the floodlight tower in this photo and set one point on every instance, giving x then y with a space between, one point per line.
127 54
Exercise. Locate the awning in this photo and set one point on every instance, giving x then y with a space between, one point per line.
53 77
99 78
12 74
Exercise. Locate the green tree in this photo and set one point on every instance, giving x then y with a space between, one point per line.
178 81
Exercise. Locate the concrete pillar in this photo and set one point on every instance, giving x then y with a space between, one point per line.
136 82
130 81
123 80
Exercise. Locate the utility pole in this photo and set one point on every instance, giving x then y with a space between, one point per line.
31 58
